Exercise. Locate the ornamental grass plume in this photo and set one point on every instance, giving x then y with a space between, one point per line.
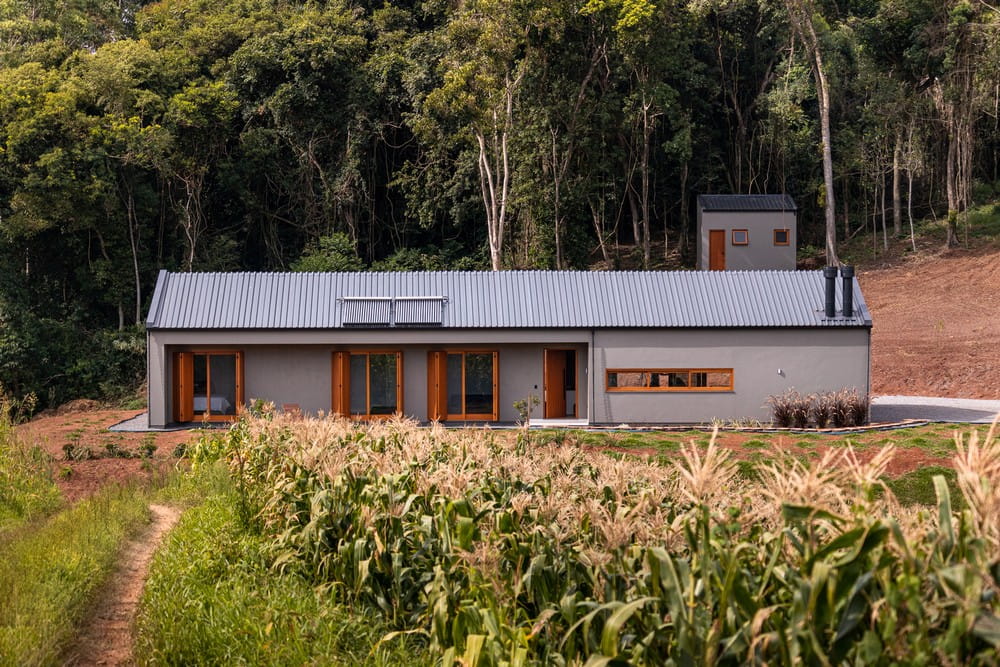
870 475
703 479
978 466
820 485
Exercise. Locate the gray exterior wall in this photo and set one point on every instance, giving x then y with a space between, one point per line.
296 366
760 253
809 360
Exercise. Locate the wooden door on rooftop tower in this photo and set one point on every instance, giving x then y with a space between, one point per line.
717 250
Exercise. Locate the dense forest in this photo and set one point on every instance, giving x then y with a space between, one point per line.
279 134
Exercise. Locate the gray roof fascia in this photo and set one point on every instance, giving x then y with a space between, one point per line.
155 302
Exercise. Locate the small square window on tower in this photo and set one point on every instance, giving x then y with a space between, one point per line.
781 237
741 237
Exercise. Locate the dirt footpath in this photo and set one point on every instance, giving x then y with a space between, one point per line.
936 325
106 637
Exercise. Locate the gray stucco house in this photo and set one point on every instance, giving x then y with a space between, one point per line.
595 347
746 232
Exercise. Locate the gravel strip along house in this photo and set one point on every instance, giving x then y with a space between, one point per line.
642 347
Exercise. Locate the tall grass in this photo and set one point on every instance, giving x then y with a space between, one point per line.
212 598
26 486
49 574
531 552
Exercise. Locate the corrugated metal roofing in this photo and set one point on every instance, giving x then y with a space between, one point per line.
746 203
504 299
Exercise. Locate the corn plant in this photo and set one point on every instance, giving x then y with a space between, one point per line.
516 551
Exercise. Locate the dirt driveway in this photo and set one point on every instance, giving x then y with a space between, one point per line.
932 408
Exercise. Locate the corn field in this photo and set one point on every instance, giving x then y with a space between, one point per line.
505 550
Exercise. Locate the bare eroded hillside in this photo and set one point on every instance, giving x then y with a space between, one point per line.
936 325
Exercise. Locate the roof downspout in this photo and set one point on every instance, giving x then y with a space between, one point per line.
590 381
149 407
868 389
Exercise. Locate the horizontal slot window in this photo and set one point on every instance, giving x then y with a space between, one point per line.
669 379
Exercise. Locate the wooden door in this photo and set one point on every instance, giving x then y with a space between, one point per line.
437 385
555 384
184 387
341 384
717 250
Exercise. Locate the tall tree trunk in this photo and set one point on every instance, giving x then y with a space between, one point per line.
191 217
881 190
133 241
557 175
633 206
951 186
801 15
824 113
682 241
647 132
909 207
560 165
897 204
495 172
598 217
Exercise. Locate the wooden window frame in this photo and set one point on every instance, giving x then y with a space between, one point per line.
344 384
733 237
478 417
176 381
650 371
788 236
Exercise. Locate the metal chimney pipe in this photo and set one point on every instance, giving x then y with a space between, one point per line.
830 273
847 273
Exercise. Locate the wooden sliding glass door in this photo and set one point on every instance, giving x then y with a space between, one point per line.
208 385
463 385
367 384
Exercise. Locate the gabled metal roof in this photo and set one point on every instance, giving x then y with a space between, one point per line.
746 203
500 299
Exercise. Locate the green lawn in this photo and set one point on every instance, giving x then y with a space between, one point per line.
753 448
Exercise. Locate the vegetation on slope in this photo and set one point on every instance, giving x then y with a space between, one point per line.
26 486
978 230
213 135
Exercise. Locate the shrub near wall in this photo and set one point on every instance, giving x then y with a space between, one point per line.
529 553
836 409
